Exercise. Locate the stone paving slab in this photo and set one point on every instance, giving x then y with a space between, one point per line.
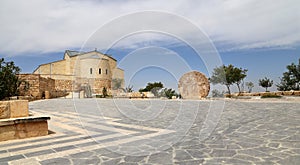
99 131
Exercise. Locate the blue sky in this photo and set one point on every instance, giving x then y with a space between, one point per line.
261 36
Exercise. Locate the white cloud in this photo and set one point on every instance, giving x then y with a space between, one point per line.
46 26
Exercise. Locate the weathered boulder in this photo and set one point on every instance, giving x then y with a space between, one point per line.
193 85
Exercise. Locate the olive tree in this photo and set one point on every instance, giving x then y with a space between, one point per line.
290 79
265 83
249 85
9 81
153 87
168 92
228 75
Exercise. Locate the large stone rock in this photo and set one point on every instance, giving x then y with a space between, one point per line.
193 85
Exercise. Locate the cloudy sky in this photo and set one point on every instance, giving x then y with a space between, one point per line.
260 35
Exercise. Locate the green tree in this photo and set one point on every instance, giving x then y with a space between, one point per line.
9 81
249 85
153 87
216 93
228 75
169 93
239 75
265 83
290 79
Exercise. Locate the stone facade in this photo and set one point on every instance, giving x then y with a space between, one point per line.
193 85
81 68
37 85
63 85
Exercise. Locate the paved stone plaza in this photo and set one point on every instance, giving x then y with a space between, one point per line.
107 131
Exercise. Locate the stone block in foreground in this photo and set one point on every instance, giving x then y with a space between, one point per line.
25 127
13 109
15 122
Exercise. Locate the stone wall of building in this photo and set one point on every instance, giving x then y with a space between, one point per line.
119 74
57 67
47 84
99 84
33 85
36 86
79 69
63 85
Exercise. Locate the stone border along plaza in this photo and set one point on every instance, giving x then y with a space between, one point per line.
248 132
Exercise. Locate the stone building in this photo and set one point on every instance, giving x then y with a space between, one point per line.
79 69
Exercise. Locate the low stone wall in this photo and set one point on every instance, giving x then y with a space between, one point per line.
39 86
23 128
277 93
33 85
15 122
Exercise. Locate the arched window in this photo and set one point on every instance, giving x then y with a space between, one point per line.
91 70
99 70
106 71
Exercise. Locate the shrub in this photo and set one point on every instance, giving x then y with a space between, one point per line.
9 80
270 95
216 93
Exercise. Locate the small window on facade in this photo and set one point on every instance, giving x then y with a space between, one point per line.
106 71
91 70
99 70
